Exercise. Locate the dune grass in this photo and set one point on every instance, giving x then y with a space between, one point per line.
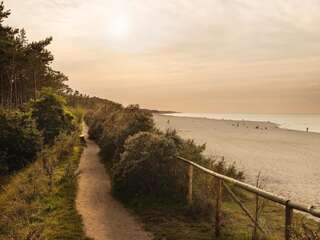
174 220
34 205
60 216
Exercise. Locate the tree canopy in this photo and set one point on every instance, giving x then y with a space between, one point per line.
24 66
51 115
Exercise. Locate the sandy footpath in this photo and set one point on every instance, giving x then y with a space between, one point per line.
288 160
104 217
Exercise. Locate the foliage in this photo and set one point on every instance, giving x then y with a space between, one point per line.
305 233
96 118
20 140
78 114
148 179
170 220
24 66
112 124
145 166
38 203
144 158
52 116
76 99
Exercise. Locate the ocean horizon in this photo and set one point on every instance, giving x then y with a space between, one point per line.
298 122
288 160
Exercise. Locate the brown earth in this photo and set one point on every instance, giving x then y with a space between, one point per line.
104 217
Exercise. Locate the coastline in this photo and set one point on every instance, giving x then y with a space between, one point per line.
287 159
298 123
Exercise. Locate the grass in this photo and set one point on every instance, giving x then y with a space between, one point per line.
175 220
169 220
34 207
60 216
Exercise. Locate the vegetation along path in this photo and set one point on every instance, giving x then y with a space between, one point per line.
104 217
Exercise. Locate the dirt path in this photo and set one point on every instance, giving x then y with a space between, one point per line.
104 218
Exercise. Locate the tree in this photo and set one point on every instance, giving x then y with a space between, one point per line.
52 116
24 67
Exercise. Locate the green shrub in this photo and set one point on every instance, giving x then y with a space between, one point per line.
52 116
145 166
129 121
78 115
145 159
20 140
96 120
204 184
111 125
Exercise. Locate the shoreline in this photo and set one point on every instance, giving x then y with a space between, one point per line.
287 158
278 125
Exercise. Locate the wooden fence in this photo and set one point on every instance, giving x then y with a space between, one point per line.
222 183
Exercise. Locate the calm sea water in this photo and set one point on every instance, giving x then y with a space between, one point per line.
298 122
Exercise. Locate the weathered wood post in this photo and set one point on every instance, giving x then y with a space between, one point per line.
218 207
190 180
288 223
257 210
256 219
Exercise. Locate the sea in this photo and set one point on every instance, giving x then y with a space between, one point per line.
295 176
299 122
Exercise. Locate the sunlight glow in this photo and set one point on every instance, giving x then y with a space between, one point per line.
119 27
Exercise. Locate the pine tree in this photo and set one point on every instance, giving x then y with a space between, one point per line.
24 67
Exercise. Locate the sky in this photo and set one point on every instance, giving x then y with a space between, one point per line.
222 56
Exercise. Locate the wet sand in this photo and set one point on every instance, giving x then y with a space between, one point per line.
289 161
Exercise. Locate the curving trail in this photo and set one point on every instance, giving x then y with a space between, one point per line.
104 217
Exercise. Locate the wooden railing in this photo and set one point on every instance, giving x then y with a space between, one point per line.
222 183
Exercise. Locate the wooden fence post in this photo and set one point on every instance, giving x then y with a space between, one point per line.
220 179
289 216
190 180
218 207
256 219
243 207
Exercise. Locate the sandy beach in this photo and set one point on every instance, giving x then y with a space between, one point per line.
288 160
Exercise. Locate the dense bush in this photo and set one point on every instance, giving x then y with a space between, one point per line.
130 121
204 188
188 149
148 167
20 140
52 116
149 178
145 166
145 159
96 119
111 125
24 132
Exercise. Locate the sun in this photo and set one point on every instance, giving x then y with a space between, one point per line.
119 27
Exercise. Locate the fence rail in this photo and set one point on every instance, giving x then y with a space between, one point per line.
222 179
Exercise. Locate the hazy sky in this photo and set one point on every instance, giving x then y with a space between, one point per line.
185 55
